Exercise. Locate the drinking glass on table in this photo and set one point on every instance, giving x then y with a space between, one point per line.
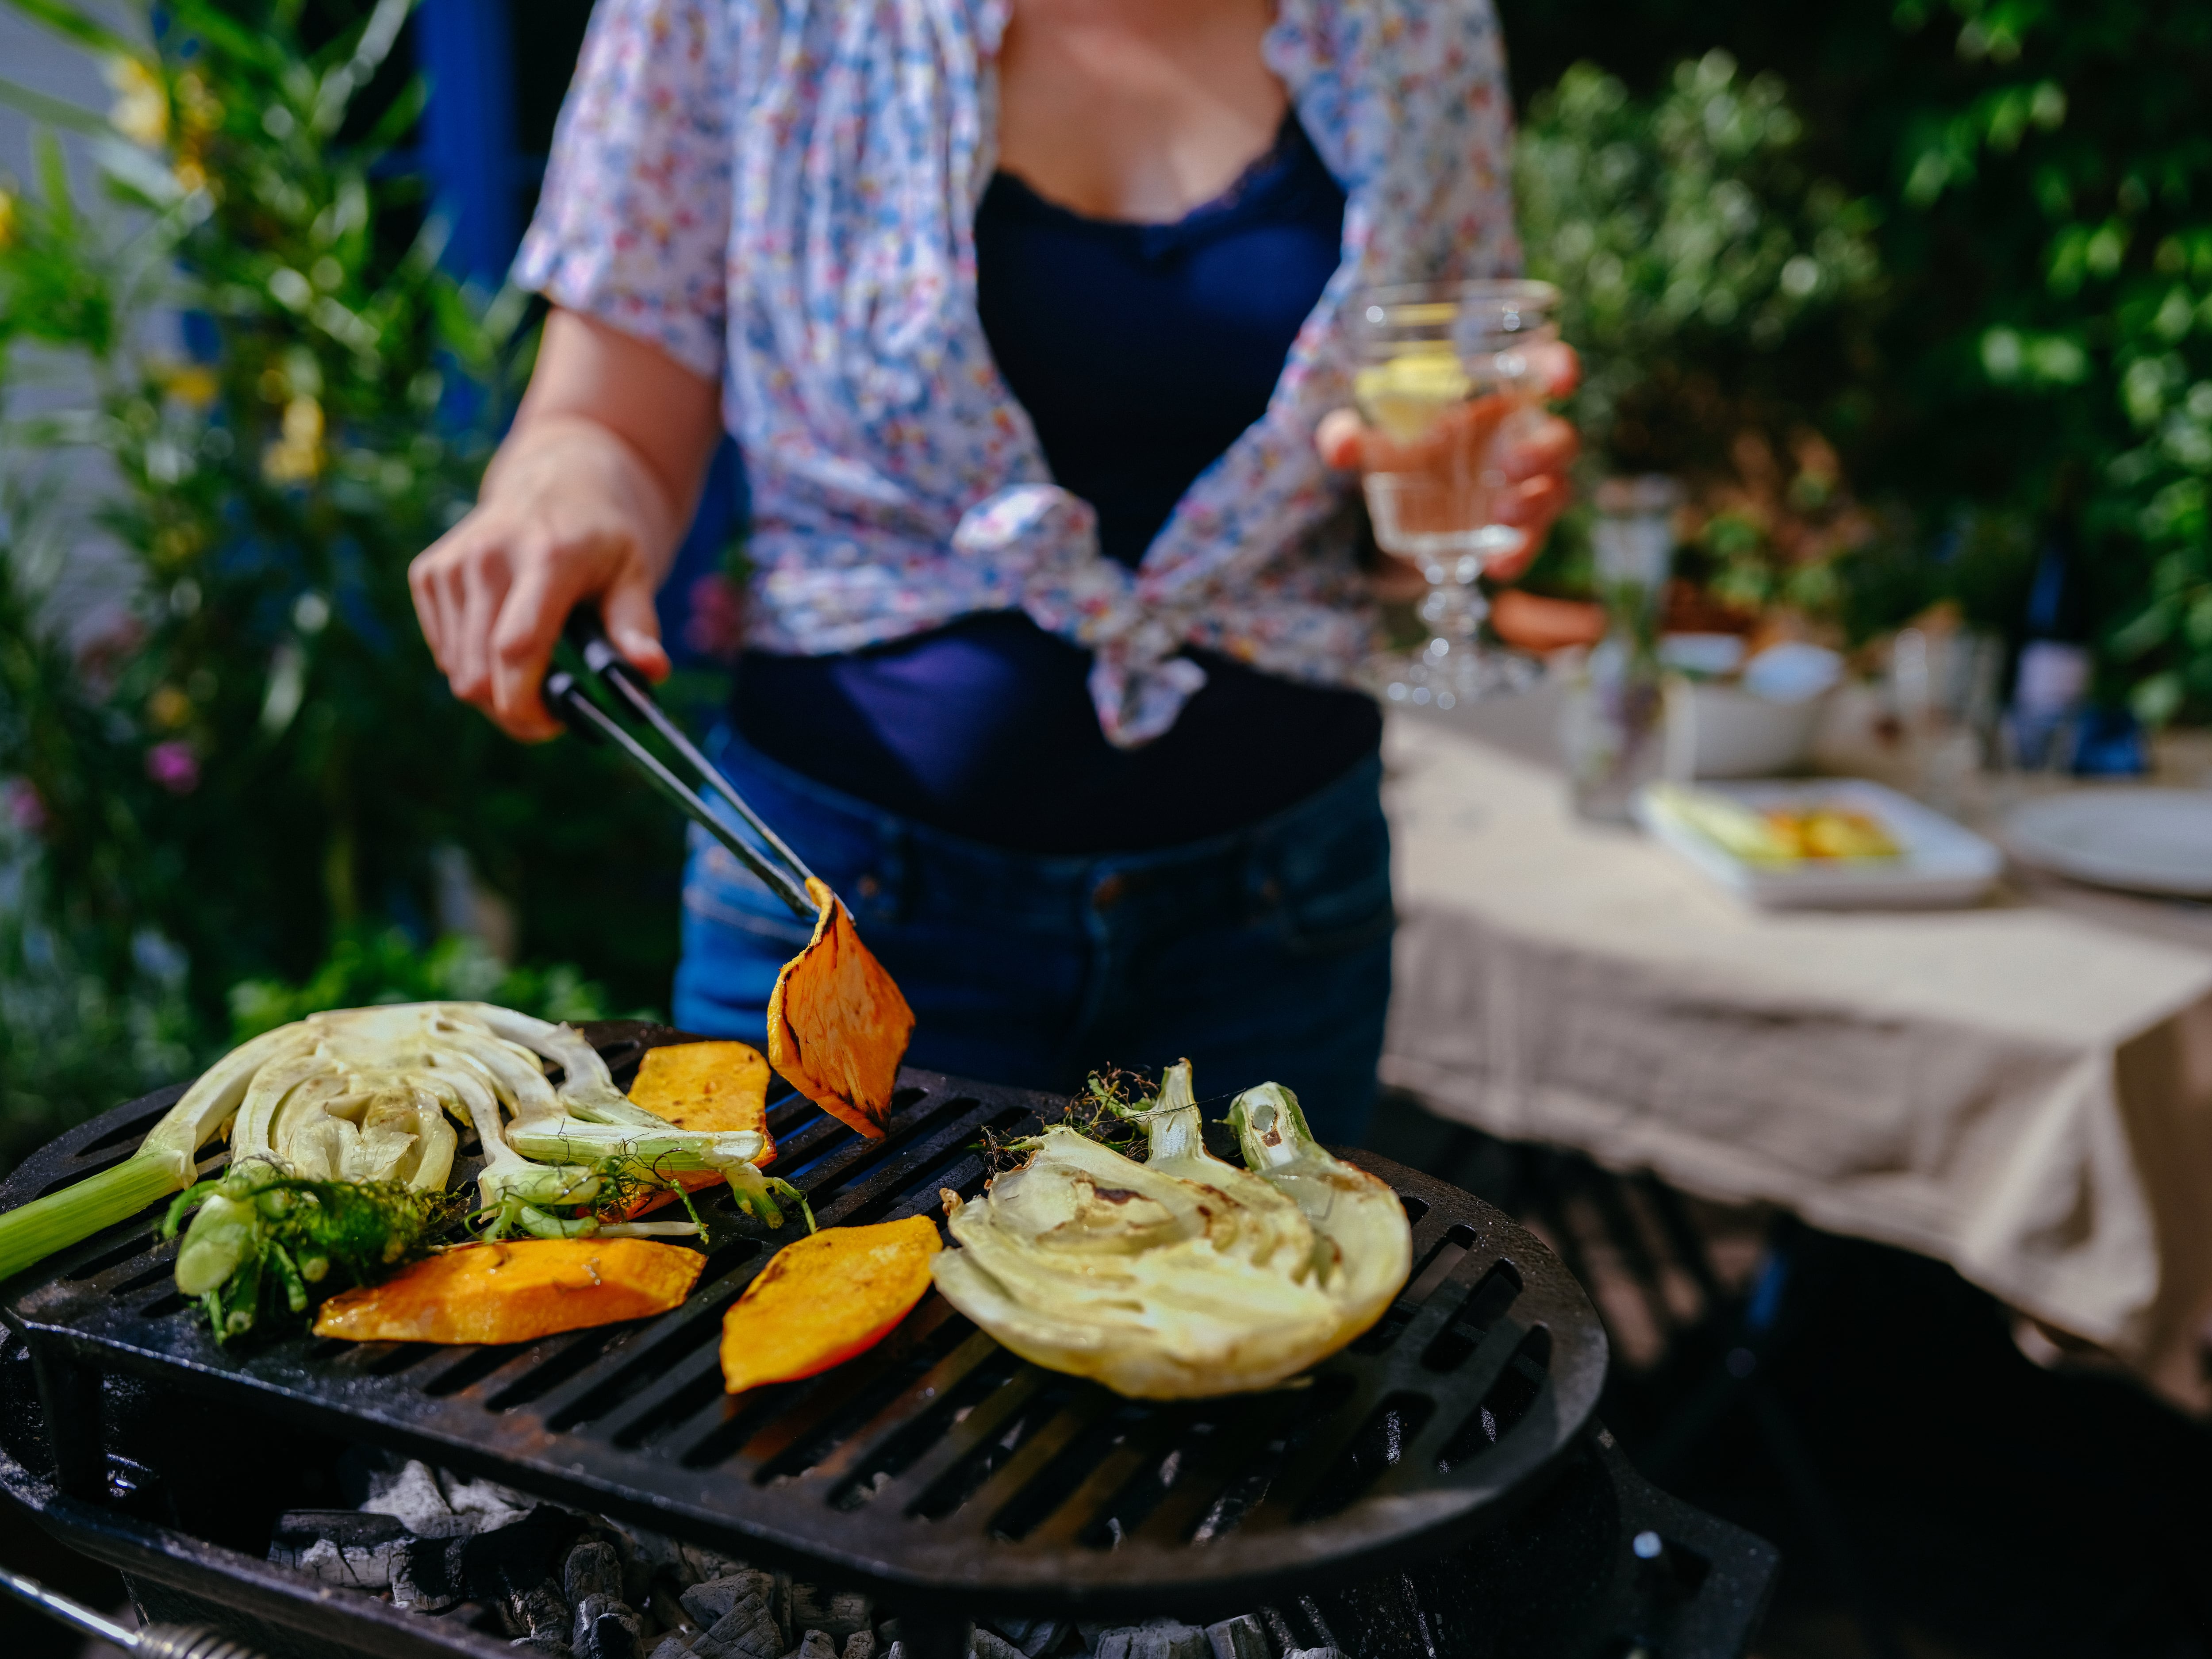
1447 378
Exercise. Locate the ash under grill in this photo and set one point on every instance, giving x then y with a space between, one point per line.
938 1470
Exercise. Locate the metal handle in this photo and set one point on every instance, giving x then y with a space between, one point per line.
589 635
569 704
155 1641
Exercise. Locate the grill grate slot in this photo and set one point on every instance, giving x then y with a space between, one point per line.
633 1382
582 1348
1382 1442
687 1391
1486 1304
1145 1467
114 1256
473 1368
969 1375
1518 1388
799 1442
163 1268
1041 1399
1289 1440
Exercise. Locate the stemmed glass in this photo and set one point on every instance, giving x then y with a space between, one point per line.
1447 378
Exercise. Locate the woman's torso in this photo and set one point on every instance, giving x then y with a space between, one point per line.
1139 353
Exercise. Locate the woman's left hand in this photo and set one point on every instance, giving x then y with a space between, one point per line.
1534 461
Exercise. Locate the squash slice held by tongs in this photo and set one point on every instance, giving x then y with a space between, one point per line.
837 1024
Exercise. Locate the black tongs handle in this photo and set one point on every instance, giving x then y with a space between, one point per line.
786 875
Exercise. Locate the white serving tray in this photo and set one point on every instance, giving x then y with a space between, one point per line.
1942 864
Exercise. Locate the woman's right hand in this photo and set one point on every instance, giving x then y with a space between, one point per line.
587 500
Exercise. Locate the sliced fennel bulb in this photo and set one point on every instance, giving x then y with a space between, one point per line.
364 1096
1182 1276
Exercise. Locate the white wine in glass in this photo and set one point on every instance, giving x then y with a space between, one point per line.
1447 377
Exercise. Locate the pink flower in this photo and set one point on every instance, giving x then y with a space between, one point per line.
25 808
174 766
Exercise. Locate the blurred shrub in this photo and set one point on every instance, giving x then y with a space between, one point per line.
1695 251
2034 372
388 965
1690 241
252 759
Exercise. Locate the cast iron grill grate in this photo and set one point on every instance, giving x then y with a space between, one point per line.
938 1465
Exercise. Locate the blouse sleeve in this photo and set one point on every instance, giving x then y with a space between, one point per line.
633 226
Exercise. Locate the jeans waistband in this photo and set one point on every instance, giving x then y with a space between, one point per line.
886 863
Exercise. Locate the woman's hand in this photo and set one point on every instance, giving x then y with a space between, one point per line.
587 500
1535 459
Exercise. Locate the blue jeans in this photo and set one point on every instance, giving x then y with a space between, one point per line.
1263 954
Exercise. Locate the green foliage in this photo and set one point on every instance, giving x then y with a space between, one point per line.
1706 274
256 762
2032 368
388 966
1689 243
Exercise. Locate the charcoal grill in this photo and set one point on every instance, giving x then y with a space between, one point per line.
939 1471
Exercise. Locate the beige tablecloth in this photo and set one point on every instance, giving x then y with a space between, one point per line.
2023 1091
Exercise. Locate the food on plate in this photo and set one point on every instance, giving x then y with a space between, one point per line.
515 1290
1182 1276
837 1025
1823 831
263 1239
825 1298
719 1088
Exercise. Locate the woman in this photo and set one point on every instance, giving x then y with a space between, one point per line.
1028 317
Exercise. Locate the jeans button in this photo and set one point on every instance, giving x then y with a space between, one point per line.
1108 893
867 887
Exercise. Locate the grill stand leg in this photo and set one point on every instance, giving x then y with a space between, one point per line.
69 1395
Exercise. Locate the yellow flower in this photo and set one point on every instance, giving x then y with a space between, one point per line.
189 384
297 456
6 218
141 111
169 707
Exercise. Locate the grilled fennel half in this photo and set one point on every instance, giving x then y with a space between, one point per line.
1182 1276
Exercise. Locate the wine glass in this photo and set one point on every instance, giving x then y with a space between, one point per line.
1447 380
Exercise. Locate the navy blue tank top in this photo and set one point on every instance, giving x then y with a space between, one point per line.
1140 352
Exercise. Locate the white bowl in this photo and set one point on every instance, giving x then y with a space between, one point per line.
1725 731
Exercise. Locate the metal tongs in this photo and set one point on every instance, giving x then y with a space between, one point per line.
785 873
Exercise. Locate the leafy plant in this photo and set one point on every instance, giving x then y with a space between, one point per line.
1691 243
387 965
2032 374
1689 239
253 758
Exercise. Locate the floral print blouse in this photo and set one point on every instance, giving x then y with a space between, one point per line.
781 194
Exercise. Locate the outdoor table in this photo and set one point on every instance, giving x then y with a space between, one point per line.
2023 1089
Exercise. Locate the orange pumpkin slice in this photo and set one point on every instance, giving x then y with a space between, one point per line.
715 1086
837 1024
825 1299
516 1293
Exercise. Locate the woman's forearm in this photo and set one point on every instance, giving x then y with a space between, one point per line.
591 379
584 503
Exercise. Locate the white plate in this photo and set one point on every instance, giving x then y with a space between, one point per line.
2148 841
1939 864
